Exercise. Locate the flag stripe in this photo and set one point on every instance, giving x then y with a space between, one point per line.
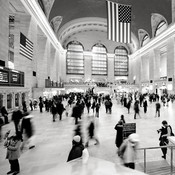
22 53
22 49
129 33
125 31
109 19
116 17
119 19
113 23
26 47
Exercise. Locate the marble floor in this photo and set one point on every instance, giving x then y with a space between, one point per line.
53 139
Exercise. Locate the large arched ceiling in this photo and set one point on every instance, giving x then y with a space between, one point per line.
90 31
75 11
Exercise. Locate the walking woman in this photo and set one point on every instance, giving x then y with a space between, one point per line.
13 152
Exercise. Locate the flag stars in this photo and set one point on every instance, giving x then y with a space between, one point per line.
124 13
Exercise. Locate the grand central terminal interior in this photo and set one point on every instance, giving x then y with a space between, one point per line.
61 51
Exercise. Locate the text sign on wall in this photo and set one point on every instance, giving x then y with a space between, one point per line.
15 78
128 129
4 76
9 77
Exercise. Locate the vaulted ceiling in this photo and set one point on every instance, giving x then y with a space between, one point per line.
86 20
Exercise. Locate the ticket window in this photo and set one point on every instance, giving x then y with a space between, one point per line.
1 100
16 100
9 101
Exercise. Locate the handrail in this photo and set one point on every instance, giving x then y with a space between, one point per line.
157 147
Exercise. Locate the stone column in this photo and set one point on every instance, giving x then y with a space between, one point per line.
170 64
49 59
13 100
156 64
110 68
151 65
57 70
41 61
52 63
87 66
5 99
62 66
145 68
4 28
20 99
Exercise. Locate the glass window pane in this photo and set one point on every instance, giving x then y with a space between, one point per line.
75 58
99 60
121 62
161 27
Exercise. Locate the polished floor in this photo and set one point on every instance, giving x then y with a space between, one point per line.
53 139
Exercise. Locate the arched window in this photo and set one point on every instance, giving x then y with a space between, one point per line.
75 58
145 40
160 27
121 61
99 60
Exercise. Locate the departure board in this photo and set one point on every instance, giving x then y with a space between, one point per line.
10 77
4 76
15 78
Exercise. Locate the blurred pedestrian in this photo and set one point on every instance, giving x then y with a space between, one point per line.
136 109
41 106
4 114
78 131
88 105
77 149
128 150
31 105
60 109
16 117
54 110
91 132
97 109
27 129
76 113
24 106
158 106
129 105
145 105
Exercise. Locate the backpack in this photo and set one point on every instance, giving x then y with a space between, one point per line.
172 134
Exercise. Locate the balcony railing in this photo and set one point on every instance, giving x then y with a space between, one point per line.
52 84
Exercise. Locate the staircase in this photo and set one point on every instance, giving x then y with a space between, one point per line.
158 167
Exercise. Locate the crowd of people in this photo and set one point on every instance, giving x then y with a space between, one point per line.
75 107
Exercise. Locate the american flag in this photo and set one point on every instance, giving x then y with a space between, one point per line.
26 47
119 22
